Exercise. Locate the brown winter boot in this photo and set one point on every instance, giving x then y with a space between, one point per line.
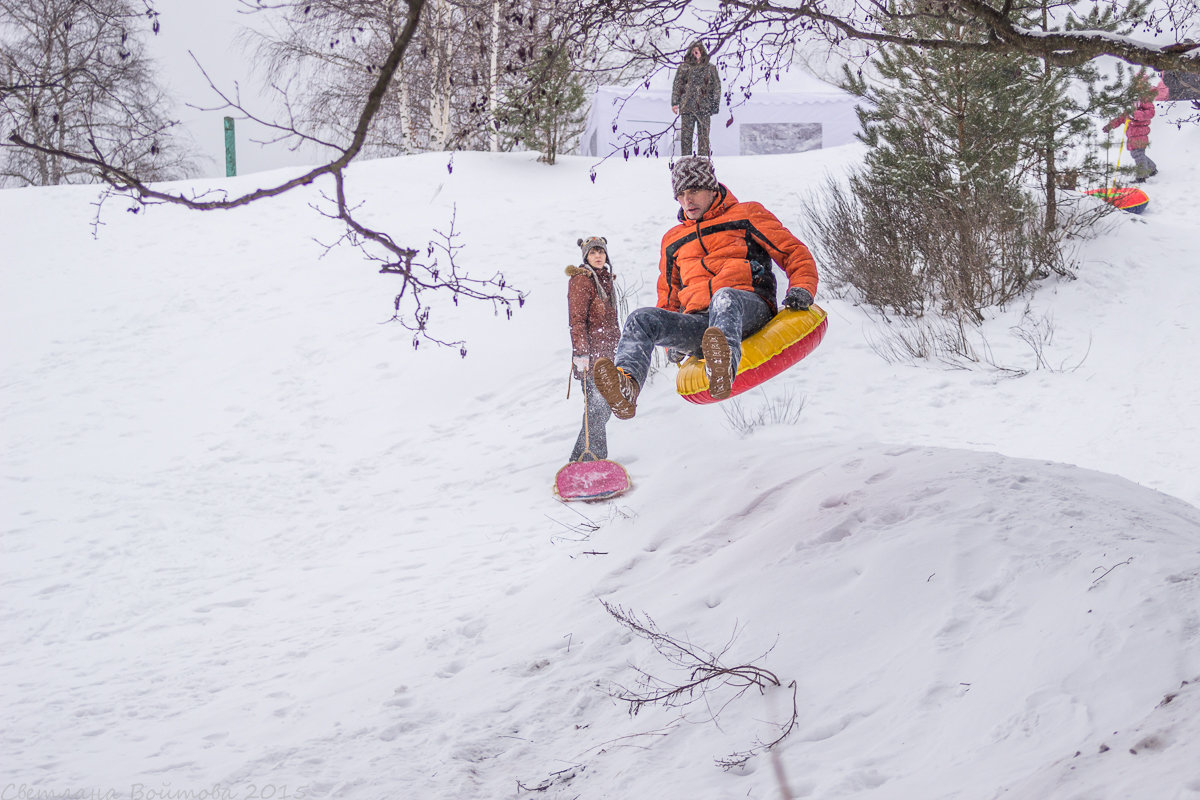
616 387
718 363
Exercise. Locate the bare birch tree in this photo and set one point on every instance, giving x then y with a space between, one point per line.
74 76
463 55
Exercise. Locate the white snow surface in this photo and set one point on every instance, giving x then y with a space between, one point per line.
256 546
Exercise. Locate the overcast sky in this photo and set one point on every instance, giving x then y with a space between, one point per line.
209 30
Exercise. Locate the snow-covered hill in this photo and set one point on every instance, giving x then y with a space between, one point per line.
257 546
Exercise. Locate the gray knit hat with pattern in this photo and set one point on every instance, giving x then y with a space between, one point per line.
693 172
587 244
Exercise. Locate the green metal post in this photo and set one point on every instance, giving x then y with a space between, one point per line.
230 154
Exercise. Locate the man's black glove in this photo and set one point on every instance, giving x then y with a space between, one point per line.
675 356
797 299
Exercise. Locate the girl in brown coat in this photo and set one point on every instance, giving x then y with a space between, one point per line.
592 314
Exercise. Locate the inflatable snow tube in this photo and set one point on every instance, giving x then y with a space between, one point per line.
1126 198
780 344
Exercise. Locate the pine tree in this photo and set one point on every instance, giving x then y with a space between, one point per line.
942 186
546 109
1060 143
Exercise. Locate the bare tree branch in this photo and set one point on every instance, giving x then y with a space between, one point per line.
705 673
749 27
397 259
74 72
124 180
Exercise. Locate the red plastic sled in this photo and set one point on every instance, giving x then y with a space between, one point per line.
591 480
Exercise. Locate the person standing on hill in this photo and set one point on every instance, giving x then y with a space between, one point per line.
592 316
695 97
1137 134
715 287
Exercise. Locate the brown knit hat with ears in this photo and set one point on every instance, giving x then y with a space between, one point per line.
693 172
586 245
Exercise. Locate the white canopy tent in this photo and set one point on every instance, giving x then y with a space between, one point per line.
769 122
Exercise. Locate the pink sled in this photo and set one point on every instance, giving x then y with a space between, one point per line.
591 480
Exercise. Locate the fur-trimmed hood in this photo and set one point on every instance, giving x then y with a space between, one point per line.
703 52
573 270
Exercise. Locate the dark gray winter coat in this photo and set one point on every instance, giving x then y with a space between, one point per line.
697 86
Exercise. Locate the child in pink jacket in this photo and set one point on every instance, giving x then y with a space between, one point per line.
1137 135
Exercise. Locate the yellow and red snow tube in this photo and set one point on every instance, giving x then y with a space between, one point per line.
780 344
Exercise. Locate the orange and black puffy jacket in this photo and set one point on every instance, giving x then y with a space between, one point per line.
732 245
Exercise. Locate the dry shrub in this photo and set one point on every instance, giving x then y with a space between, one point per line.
955 253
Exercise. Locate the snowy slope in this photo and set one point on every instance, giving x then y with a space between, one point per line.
255 545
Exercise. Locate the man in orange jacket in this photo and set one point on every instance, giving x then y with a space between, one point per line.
715 287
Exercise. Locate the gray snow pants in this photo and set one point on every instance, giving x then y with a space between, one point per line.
701 123
1145 166
593 438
